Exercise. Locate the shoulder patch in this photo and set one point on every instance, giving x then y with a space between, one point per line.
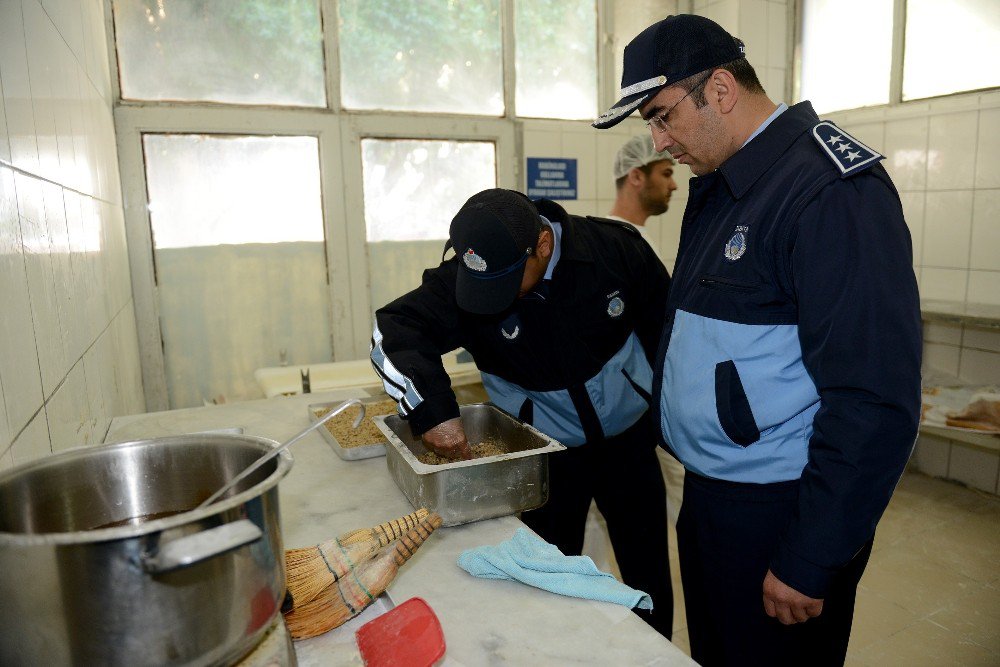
631 229
850 155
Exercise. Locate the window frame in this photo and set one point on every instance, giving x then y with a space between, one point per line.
896 66
339 132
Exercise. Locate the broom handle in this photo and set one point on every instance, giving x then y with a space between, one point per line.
282 447
395 529
385 532
410 542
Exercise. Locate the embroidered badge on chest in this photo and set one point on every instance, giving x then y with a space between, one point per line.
510 328
737 245
474 261
616 307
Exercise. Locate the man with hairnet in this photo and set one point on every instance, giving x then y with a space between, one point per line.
644 181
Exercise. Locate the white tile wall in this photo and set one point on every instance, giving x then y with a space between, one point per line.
975 467
982 339
69 357
947 284
947 229
931 455
987 164
906 152
985 230
913 212
951 151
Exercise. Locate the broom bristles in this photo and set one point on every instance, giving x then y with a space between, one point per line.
311 569
384 533
349 596
308 571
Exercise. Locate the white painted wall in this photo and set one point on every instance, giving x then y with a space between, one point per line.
68 352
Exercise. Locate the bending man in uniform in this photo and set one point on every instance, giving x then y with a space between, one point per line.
561 315
788 379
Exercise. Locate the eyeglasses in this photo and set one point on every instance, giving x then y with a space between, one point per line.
659 122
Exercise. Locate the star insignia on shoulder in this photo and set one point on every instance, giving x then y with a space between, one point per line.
847 153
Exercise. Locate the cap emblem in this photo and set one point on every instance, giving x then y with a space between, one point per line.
474 261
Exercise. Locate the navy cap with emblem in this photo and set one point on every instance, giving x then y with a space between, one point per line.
493 234
667 52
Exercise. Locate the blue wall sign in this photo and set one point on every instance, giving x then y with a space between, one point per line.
552 178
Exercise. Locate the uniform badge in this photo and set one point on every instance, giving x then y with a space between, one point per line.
474 261
616 307
510 328
849 154
737 245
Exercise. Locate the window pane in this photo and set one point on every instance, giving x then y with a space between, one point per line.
209 190
434 56
251 52
556 58
846 53
413 188
950 48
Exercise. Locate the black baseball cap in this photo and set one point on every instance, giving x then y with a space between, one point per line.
664 53
493 234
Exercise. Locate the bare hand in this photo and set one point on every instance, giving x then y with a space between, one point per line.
787 604
448 439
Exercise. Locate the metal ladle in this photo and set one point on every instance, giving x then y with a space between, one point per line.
282 447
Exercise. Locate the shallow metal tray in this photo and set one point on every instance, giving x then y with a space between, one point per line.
466 491
347 453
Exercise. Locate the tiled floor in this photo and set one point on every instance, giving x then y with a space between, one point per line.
931 592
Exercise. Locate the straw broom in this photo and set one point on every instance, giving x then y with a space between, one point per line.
311 569
346 598
387 532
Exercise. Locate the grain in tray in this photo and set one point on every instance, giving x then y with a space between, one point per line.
342 426
483 449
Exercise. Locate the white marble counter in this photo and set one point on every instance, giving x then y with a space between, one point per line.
485 622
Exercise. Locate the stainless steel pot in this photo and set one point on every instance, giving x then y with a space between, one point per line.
103 561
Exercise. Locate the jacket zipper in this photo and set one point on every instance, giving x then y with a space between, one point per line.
714 282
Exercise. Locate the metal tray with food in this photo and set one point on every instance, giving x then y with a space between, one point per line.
513 480
348 443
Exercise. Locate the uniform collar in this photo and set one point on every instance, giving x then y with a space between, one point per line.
570 247
749 163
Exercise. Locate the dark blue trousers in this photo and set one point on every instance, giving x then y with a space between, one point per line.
622 474
726 534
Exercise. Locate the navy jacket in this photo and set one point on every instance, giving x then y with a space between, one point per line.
793 340
573 358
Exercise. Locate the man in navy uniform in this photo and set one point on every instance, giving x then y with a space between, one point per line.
562 315
788 378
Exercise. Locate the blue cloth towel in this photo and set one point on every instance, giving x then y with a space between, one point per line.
531 560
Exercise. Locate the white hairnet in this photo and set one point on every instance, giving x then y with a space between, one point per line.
637 152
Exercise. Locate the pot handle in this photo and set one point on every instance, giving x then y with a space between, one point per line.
192 549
